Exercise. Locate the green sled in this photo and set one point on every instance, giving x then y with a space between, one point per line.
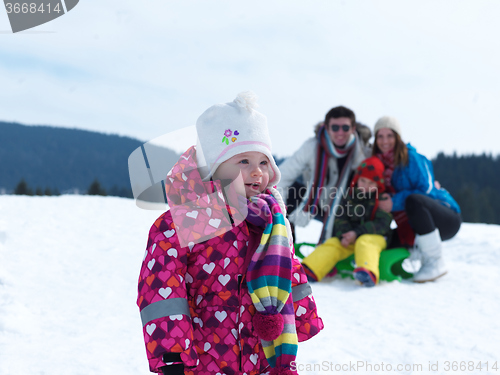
390 264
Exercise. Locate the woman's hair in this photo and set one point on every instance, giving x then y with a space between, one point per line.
400 150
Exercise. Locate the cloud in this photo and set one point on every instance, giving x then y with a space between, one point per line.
144 69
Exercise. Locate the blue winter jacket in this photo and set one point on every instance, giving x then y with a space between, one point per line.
418 178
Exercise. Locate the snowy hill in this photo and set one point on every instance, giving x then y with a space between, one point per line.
69 267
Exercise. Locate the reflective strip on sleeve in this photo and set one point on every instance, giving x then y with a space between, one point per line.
429 189
161 309
301 291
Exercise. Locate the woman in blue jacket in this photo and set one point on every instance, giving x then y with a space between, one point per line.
417 202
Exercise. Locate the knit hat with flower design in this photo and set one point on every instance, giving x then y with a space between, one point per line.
226 130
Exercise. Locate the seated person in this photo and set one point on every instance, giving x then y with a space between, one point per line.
362 228
321 167
425 212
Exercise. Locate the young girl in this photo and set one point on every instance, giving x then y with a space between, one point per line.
220 290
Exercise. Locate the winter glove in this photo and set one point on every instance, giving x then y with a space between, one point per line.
175 368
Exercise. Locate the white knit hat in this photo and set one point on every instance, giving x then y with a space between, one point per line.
226 130
389 123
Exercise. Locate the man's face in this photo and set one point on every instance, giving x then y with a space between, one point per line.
340 136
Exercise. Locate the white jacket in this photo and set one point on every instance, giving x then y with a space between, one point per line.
303 162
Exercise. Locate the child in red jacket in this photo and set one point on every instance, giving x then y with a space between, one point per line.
220 290
361 228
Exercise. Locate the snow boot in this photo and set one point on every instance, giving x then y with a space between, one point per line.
430 247
311 276
414 262
365 277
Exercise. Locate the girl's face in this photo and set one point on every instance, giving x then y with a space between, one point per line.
249 172
386 140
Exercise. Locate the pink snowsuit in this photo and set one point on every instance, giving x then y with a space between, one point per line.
194 299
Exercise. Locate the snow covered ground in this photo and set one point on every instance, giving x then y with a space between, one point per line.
69 267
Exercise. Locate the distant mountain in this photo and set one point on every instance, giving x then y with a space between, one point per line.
66 159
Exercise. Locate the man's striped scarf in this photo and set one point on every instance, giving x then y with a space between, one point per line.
326 150
269 277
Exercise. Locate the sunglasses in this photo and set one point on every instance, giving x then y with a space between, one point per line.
336 128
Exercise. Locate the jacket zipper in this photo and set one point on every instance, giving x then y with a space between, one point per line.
240 278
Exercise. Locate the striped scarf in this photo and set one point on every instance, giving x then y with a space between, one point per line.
387 159
326 150
269 277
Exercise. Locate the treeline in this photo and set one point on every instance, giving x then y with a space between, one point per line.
61 160
474 182
23 188
94 188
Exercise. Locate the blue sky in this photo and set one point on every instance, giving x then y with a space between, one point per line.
144 69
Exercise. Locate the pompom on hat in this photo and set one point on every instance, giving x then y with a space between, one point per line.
389 123
226 130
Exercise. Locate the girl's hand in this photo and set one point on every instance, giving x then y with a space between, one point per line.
385 202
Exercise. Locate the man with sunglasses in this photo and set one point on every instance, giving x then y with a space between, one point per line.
314 179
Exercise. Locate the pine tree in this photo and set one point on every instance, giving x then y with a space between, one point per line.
96 189
22 188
